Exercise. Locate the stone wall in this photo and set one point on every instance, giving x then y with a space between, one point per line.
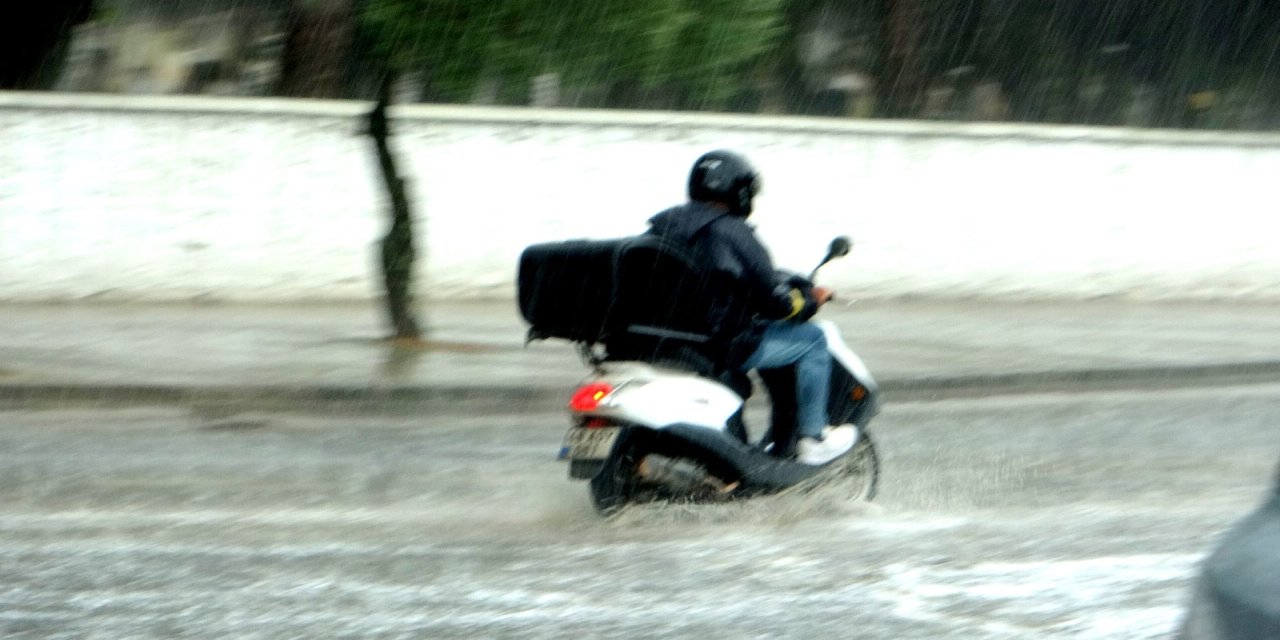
181 198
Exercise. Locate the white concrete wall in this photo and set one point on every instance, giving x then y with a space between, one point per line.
176 198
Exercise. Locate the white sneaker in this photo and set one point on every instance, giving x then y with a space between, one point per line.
834 443
856 431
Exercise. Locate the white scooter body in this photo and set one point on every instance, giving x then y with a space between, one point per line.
657 397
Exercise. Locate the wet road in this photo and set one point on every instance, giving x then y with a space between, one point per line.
1051 516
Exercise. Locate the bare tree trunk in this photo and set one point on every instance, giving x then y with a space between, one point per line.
317 48
902 81
397 246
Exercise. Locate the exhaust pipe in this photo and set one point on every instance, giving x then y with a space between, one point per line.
681 474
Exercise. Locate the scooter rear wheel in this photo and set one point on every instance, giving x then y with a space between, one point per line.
615 484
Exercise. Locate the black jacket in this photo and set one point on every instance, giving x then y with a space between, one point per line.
746 289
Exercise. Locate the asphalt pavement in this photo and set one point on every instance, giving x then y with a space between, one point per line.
475 351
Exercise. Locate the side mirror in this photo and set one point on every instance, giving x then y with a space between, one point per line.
839 248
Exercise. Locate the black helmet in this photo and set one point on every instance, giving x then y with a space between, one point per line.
724 176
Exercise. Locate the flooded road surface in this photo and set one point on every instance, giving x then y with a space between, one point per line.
1052 516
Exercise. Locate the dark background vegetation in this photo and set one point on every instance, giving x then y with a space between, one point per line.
1173 63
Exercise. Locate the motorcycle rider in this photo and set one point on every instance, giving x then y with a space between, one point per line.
759 322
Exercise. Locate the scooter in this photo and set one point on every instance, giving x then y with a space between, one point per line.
656 419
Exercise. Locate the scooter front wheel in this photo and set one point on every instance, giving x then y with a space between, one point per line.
859 470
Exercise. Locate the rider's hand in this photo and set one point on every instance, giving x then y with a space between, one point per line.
823 295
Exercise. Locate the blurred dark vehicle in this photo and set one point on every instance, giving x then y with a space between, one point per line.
1237 596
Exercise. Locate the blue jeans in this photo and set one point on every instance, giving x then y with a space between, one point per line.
805 346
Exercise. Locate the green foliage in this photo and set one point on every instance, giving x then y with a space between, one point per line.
693 51
1094 61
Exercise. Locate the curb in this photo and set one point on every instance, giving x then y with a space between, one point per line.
522 398
328 398
1109 379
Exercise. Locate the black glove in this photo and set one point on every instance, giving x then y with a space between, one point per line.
804 304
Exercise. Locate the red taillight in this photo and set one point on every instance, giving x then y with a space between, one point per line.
588 396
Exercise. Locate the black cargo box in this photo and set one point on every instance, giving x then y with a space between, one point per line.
565 288
602 291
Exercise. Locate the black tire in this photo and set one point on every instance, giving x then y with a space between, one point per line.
860 469
613 487
854 476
